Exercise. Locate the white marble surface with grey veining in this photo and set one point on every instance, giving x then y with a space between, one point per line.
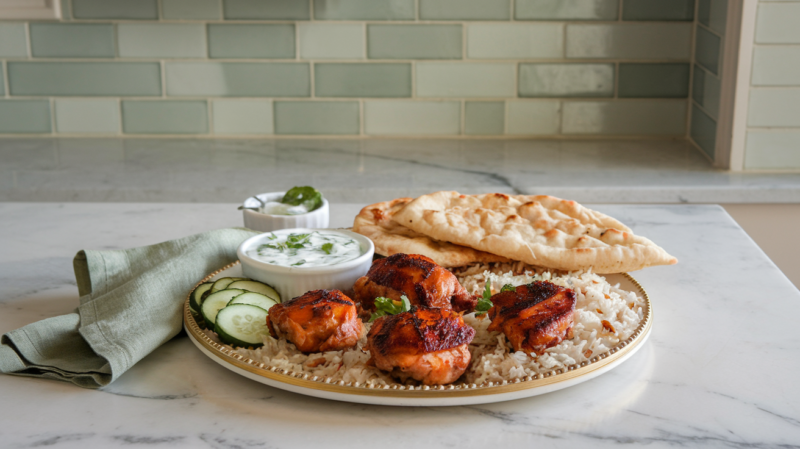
719 370
369 170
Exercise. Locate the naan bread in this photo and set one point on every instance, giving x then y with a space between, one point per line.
538 230
375 222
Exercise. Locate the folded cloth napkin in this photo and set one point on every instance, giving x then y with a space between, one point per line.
131 302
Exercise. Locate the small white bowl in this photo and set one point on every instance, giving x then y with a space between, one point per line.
292 282
317 218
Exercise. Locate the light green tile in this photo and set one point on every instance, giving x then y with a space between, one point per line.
242 117
566 80
707 50
24 116
238 79
266 9
776 23
774 107
698 84
191 9
316 117
412 118
13 43
653 80
251 41
484 118
531 117
631 117
161 40
84 78
331 40
703 131
465 79
706 91
364 9
115 9
515 40
566 9
362 80
630 41
72 40
2 81
414 41
776 65
164 117
713 14
465 9
774 149
66 10
87 116
658 9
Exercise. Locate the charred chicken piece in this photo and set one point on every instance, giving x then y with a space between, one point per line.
417 277
534 317
317 321
426 344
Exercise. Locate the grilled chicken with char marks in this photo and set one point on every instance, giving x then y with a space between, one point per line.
317 321
417 277
534 317
426 344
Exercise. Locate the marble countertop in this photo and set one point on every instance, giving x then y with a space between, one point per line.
719 370
206 170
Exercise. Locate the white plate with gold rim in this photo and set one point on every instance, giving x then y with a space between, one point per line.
404 395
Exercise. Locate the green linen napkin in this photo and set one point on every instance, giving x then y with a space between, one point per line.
131 303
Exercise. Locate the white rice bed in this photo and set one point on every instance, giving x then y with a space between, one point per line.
493 358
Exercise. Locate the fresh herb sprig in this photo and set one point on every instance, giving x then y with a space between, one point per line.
508 288
305 195
327 247
485 301
386 306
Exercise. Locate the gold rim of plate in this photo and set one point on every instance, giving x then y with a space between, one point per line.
228 355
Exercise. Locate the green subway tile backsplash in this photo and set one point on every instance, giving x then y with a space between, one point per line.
148 40
165 117
238 79
362 79
13 42
24 116
274 41
641 80
464 9
658 10
414 41
84 78
566 9
72 40
484 118
566 80
191 9
704 131
363 9
115 9
266 9
317 117
369 67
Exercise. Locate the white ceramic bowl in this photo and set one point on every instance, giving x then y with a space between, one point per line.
292 282
317 218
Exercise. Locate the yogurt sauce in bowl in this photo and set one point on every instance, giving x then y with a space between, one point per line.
314 249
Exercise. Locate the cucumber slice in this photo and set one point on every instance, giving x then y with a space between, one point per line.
242 325
221 284
196 299
254 299
216 301
257 287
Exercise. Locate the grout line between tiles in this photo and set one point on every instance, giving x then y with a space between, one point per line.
462 125
210 118
28 44
4 73
121 122
312 79
52 116
361 117
512 11
619 11
163 68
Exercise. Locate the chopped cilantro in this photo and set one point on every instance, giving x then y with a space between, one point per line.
386 306
485 302
327 247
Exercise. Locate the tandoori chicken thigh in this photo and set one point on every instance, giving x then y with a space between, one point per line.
317 321
534 317
426 344
417 277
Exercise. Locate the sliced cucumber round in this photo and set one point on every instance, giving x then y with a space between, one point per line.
221 284
216 301
195 301
242 325
254 299
257 287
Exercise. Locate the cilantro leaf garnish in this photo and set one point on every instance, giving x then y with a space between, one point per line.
327 247
508 288
305 195
485 302
386 306
299 262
